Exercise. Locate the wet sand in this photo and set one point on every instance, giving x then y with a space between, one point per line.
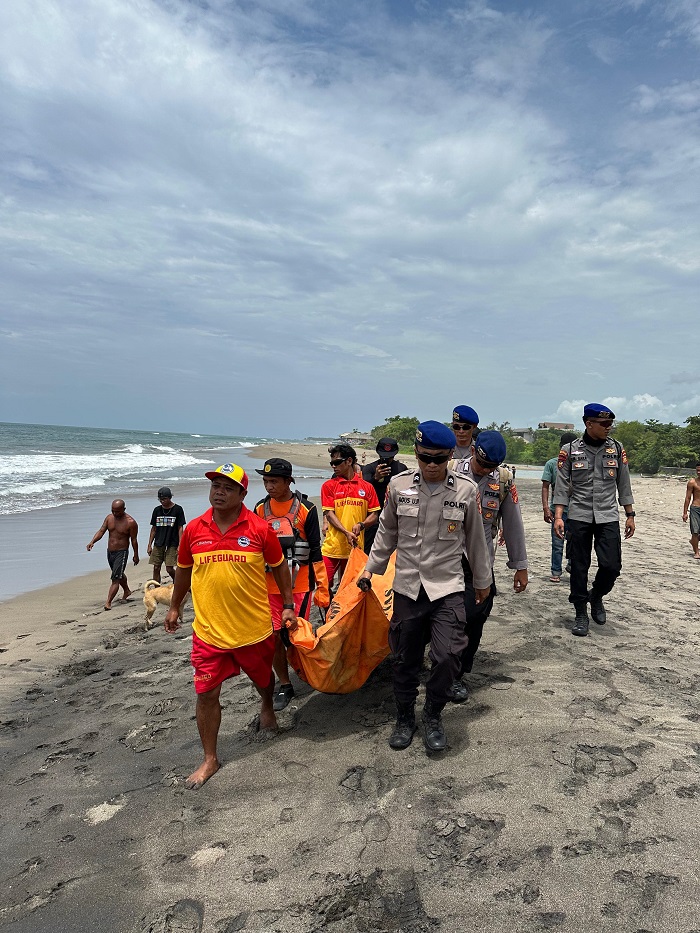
568 800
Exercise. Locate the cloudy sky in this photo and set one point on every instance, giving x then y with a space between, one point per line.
291 218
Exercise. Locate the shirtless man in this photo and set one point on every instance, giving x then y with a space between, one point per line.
122 528
693 491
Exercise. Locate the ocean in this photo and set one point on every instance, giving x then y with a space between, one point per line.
57 484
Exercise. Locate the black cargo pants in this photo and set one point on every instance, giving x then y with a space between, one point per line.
581 536
414 623
476 616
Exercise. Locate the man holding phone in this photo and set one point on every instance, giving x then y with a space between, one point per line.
378 473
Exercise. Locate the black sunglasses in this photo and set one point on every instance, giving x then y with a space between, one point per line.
463 426
335 463
486 464
433 458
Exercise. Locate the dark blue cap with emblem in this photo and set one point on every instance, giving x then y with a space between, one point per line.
491 447
435 436
595 410
464 414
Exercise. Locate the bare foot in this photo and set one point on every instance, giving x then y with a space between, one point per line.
202 774
268 720
107 608
126 595
696 556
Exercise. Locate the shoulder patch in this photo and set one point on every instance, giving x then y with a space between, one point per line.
514 493
624 455
563 457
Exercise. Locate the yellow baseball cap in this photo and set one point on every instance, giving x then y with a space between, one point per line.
231 471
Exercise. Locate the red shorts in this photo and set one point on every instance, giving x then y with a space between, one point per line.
212 666
277 607
333 564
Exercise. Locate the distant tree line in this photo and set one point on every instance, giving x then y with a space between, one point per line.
650 444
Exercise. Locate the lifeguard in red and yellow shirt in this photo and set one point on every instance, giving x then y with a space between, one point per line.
222 558
350 504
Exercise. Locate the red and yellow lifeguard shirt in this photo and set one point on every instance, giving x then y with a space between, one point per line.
352 500
279 510
228 578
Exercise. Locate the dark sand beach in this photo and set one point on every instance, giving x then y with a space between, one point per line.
568 800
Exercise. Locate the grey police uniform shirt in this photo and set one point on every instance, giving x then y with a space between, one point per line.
591 479
509 510
430 530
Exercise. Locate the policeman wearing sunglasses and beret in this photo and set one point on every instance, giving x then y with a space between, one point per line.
592 475
430 519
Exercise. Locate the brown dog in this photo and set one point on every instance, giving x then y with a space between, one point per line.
154 593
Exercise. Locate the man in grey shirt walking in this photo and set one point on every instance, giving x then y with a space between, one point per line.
592 474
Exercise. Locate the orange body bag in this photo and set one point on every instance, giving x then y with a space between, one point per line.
355 637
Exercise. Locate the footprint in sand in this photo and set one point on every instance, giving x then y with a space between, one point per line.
103 812
186 916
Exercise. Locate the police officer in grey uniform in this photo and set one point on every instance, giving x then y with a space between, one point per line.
464 422
430 519
488 452
592 474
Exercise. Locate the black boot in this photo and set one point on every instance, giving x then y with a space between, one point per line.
598 613
434 738
402 736
459 692
581 622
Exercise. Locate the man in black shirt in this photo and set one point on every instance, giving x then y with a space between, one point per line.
378 473
167 524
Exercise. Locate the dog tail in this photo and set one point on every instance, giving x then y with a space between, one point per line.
150 583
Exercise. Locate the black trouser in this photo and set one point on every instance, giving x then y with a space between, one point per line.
476 615
608 549
370 534
414 622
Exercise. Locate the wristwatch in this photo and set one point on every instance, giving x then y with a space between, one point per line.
630 514
362 525
287 605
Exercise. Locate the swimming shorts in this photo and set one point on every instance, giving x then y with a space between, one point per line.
117 561
212 666
695 519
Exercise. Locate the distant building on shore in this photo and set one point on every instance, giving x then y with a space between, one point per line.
528 434
356 439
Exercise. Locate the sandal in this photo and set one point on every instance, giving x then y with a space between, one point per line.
554 579
283 696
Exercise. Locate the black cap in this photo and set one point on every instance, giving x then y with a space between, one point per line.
165 492
387 448
277 467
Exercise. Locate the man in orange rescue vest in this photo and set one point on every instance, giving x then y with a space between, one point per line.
294 520
222 557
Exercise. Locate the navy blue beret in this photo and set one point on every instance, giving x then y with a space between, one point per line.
595 410
465 413
490 446
435 435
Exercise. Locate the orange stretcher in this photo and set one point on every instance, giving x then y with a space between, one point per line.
354 638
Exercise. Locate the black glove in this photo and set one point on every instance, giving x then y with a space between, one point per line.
284 635
364 584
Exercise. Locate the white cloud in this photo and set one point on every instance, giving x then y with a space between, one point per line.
641 407
425 201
